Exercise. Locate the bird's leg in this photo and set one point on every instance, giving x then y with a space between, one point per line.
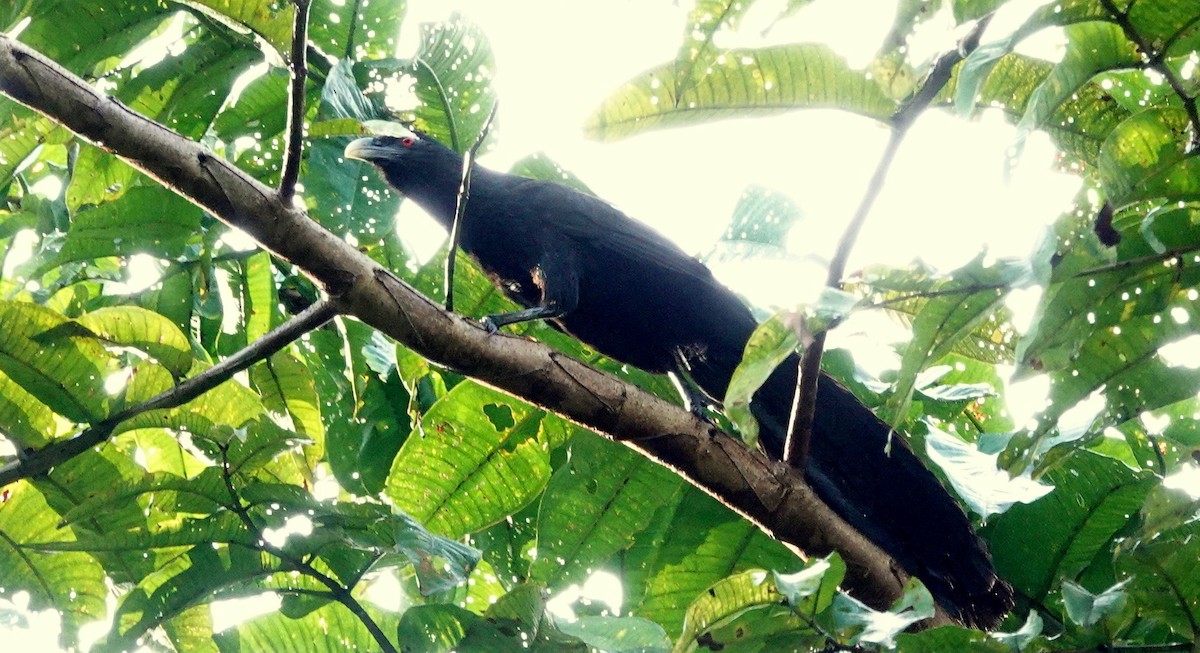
557 276
545 312
694 397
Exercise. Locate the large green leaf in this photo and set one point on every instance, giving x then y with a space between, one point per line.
945 320
270 19
71 583
748 610
739 83
89 36
1131 282
478 461
189 580
26 422
593 506
67 374
453 70
693 542
332 629
1146 157
1093 498
1080 123
130 326
1164 576
356 29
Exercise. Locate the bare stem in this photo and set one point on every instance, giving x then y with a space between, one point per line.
460 207
804 405
295 117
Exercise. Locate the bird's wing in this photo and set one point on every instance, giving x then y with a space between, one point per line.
589 219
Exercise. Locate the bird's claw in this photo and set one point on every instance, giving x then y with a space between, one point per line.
489 324
701 411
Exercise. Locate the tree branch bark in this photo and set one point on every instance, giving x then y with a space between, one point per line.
766 492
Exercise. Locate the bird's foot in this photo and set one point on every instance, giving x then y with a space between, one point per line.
489 324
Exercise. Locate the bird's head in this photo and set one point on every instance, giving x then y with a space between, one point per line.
412 162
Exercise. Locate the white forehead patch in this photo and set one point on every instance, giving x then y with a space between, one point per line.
387 128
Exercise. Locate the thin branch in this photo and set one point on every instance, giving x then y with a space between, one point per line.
1157 61
295 117
43 460
804 405
339 593
932 294
460 207
1115 266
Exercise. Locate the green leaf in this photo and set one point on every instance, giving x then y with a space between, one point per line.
617 634
593 506
330 629
1087 609
365 415
1094 498
267 18
446 628
286 386
693 542
189 580
1164 576
25 421
131 326
1081 121
87 36
20 135
352 200
355 30
478 462
740 610
762 217
770 344
439 563
66 374
1092 47
737 83
1146 157
453 69
150 220
71 583
948 318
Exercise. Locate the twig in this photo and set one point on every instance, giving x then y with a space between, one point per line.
45 459
804 405
1157 61
295 117
339 593
931 294
460 207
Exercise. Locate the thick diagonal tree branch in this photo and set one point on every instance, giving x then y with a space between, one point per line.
773 497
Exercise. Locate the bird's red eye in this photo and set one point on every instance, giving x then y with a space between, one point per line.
408 141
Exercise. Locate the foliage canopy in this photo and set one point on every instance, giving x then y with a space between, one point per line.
384 466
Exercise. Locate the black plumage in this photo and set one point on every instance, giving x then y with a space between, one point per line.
627 291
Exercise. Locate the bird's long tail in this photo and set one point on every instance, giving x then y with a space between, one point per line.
890 497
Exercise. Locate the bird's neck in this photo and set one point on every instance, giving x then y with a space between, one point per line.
435 189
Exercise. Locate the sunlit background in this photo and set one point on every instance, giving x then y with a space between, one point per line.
957 187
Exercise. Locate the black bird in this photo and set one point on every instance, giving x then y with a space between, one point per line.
627 291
